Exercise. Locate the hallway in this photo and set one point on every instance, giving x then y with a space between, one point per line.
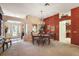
22 48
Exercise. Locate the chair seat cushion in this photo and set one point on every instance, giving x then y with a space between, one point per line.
7 40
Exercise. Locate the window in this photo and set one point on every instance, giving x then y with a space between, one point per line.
26 29
14 28
34 28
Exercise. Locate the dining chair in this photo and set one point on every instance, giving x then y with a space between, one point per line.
2 44
35 38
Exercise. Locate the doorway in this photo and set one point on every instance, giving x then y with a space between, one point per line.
64 31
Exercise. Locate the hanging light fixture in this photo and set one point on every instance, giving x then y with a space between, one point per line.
42 22
47 4
41 15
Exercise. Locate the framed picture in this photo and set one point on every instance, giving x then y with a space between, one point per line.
52 28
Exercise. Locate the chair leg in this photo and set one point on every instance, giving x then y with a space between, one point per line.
3 47
48 41
43 42
6 45
38 42
10 42
33 41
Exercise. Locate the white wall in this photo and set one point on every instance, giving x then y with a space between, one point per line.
30 20
62 30
1 10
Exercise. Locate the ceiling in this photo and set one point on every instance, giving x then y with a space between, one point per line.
34 9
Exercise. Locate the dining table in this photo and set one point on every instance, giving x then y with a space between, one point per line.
42 38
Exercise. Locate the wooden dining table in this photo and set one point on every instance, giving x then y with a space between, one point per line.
41 38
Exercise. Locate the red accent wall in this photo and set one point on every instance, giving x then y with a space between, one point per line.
49 21
53 21
56 22
75 26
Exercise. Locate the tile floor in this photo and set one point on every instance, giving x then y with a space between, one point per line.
24 48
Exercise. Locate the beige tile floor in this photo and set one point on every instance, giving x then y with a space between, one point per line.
56 48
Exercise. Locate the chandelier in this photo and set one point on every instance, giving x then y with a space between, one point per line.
42 22
42 13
